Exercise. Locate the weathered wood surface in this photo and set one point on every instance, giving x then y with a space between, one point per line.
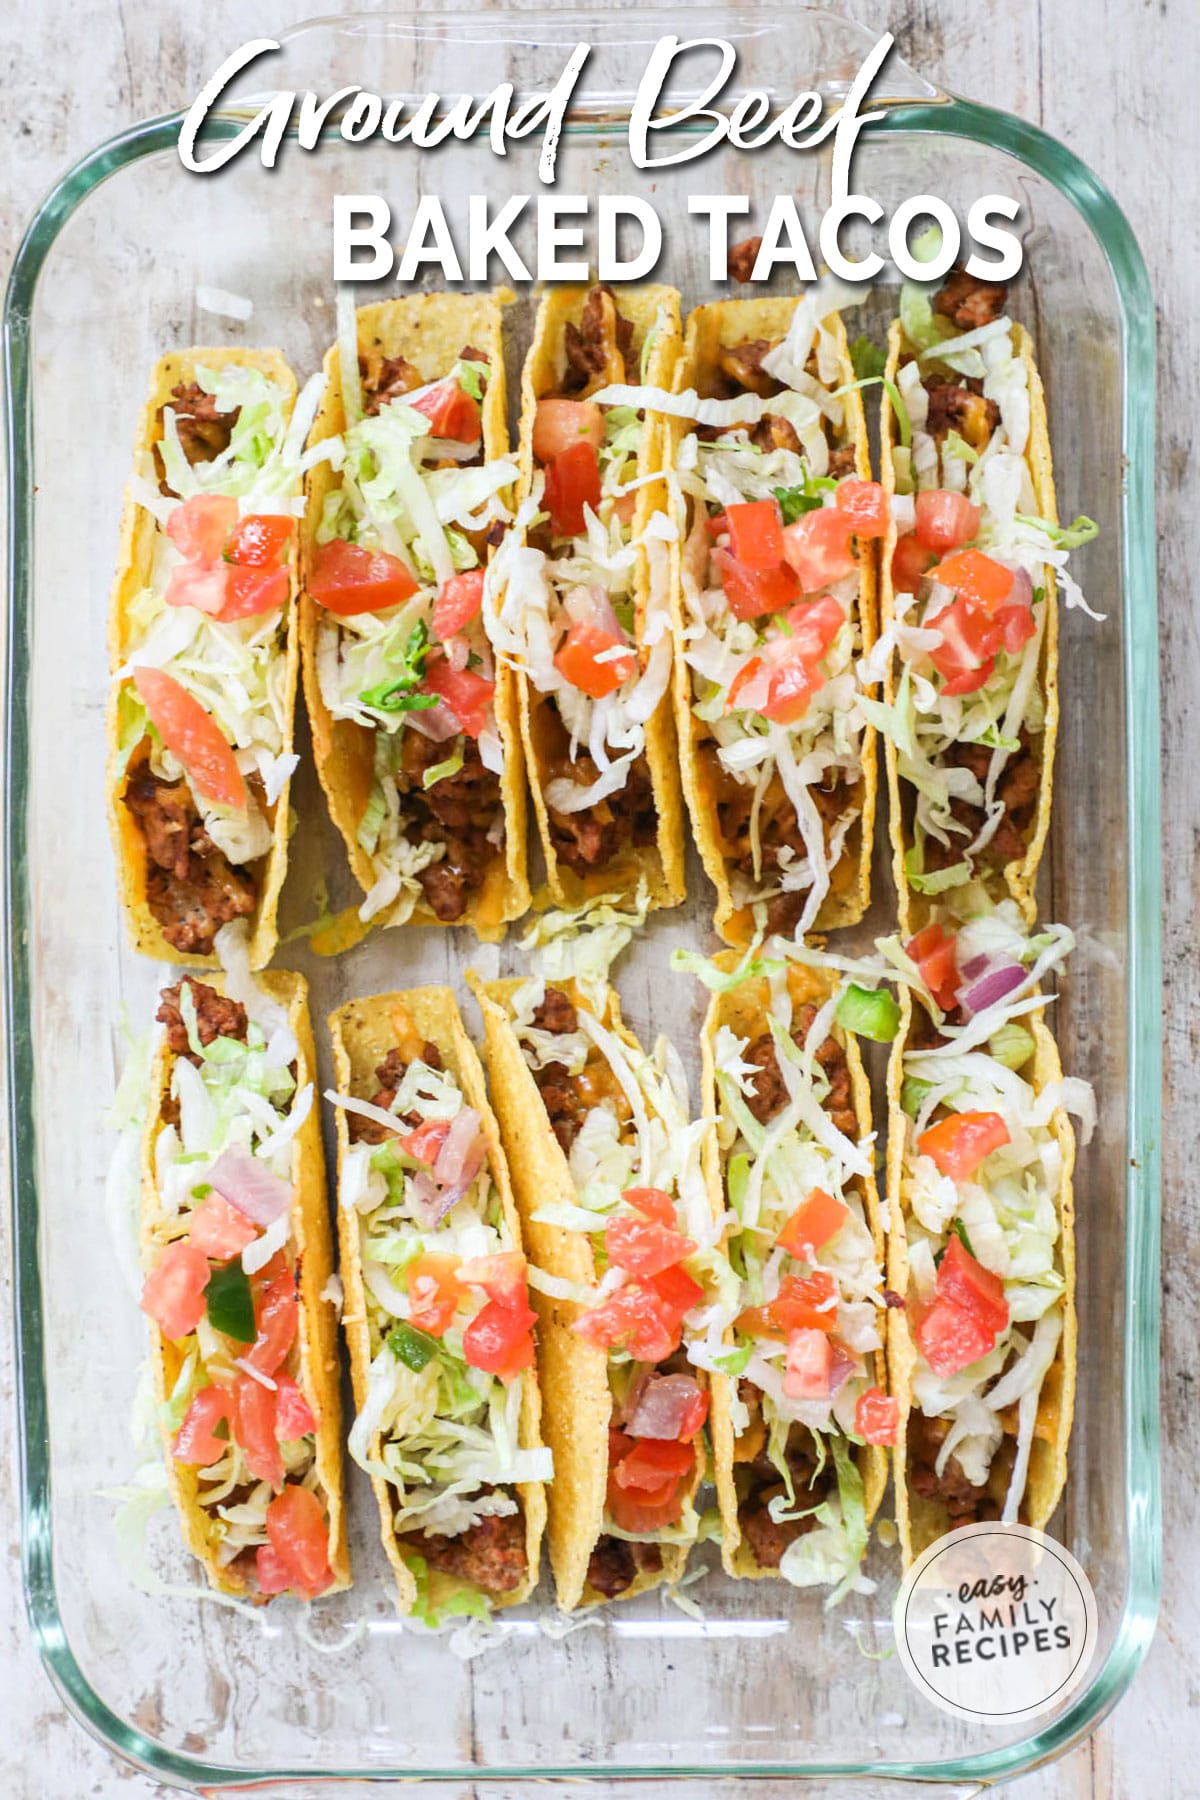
1115 80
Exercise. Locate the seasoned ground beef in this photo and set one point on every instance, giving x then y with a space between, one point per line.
596 348
389 1074
490 1553
774 432
742 258
385 378
596 836
843 461
204 433
741 367
961 407
216 1016
1017 790
191 887
614 1565
458 811
770 1092
759 1483
965 1503
969 302
555 1013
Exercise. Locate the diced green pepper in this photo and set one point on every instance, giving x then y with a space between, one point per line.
411 1346
229 1303
869 1012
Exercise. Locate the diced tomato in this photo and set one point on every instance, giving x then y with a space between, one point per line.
755 534
962 656
219 1229
202 585
819 547
469 696
675 1289
813 1223
636 1319
813 626
498 1339
807 1302
433 1292
865 505
643 1247
502 1277
949 1337
196 1441
945 520
348 579
298 1546
253 1424
260 541
458 602
576 660
1015 625
652 1203
642 1510
199 527
653 1461
572 482
876 1417
192 735
251 591
747 674
752 592
964 1280
275 1315
694 1417
424 1143
173 1292
809 1369
910 561
961 1141
935 953
293 1415
975 577
451 412
560 424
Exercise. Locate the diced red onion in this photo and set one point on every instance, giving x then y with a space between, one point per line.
457 650
985 989
437 723
1021 591
250 1186
633 1394
663 1406
428 1201
464 1129
844 1365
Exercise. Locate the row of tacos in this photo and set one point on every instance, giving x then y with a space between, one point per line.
668 594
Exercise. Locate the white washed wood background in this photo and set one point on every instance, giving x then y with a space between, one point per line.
1115 79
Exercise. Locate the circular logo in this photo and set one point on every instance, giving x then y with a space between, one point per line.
996 1622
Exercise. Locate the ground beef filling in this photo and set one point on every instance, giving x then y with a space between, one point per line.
960 406
1018 791
389 1074
464 812
216 1016
191 887
758 1484
769 1095
203 432
778 828
596 836
965 1503
968 301
490 1554
615 1565
597 347
569 1098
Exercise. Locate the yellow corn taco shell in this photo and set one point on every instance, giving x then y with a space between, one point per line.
711 329
650 310
574 1373
318 1371
921 1521
363 1032
1019 876
429 331
745 1010
134 564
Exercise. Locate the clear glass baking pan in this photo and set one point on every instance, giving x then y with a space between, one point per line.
765 1683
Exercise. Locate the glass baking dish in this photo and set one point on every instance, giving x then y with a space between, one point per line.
765 1683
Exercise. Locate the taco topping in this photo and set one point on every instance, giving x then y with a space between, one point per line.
449 1319
222 1288
401 645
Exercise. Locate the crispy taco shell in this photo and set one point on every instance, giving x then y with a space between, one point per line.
745 1010
574 1373
429 331
134 562
363 1032
1019 877
661 865
922 1521
318 1373
711 329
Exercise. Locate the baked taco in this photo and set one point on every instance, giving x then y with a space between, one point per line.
972 563
799 1412
981 1244
415 728
436 1309
774 599
236 1246
578 597
606 1168
204 652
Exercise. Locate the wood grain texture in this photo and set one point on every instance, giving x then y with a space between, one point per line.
1115 80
